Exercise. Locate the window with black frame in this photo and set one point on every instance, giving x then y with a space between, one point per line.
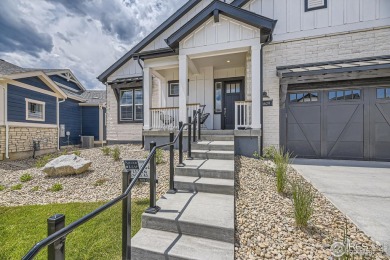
131 105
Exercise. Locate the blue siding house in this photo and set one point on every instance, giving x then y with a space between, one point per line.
46 109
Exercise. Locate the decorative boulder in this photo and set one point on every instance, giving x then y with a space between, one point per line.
66 165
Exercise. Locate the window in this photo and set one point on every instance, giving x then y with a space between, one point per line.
218 97
173 88
382 93
344 94
304 97
131 105
311 5
35 110
233 88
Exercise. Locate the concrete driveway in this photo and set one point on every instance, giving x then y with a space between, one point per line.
361 190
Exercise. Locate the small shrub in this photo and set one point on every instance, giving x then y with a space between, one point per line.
100 182
42 161
256 155
303 198
159 156
56 187
269 152
17 187
281 160
106 150
2 187
77 153
116 153
35 188
64 152
26 177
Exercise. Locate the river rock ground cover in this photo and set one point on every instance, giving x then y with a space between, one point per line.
265 225
102 182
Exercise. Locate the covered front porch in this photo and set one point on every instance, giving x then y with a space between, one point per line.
220 84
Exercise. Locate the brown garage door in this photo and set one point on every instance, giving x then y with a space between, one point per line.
339 123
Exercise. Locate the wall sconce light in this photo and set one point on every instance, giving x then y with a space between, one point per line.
265 94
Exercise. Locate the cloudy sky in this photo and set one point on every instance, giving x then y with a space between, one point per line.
86 36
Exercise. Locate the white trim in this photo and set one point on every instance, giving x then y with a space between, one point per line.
58 73
37 125
6 123
100 123
70 89
43 77
32 88
90 104
39 103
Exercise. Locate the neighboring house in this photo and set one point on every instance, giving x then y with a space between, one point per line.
312 76
42 105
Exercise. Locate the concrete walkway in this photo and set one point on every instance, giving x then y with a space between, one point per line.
361 190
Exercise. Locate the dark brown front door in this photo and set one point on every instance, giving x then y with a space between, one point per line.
233 91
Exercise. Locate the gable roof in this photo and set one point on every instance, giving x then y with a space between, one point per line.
153 35
7 68
213 9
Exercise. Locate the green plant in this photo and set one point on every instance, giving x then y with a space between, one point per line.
100 182
256 155
269 152
56 187
26 177
303 198
42 161
116 153
2 187
77 153
35 188
106 150
64 152
17 187
159 156
281 160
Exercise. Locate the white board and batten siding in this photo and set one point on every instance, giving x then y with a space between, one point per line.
339 16
227 30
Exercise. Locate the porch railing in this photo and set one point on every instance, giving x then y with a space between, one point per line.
167 118
243 114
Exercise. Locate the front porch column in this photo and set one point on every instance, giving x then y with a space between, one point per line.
256 102
183 81
147 97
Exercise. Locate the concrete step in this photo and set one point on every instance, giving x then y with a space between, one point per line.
200 214
155 245
206 154
222 169
217 137
210 185
217 132
214 145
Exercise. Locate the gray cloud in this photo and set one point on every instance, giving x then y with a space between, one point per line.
86 36
18 34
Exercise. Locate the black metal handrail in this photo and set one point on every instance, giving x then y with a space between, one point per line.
62 233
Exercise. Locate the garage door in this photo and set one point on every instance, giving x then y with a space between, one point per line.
339 123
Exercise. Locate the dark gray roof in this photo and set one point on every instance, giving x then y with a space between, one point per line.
153 35
94 96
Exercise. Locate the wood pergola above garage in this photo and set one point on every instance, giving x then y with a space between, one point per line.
349 69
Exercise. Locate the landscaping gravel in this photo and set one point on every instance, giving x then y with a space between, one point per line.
102 182
265 225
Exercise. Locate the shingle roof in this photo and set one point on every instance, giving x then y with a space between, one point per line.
94 96
7 68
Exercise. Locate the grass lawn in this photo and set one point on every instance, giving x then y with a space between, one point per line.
100 238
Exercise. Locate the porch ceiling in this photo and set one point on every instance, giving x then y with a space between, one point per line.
222 61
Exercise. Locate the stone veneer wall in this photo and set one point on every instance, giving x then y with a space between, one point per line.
2 142
349 45
21 140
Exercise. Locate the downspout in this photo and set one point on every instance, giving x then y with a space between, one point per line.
143 99
58 122
269 40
